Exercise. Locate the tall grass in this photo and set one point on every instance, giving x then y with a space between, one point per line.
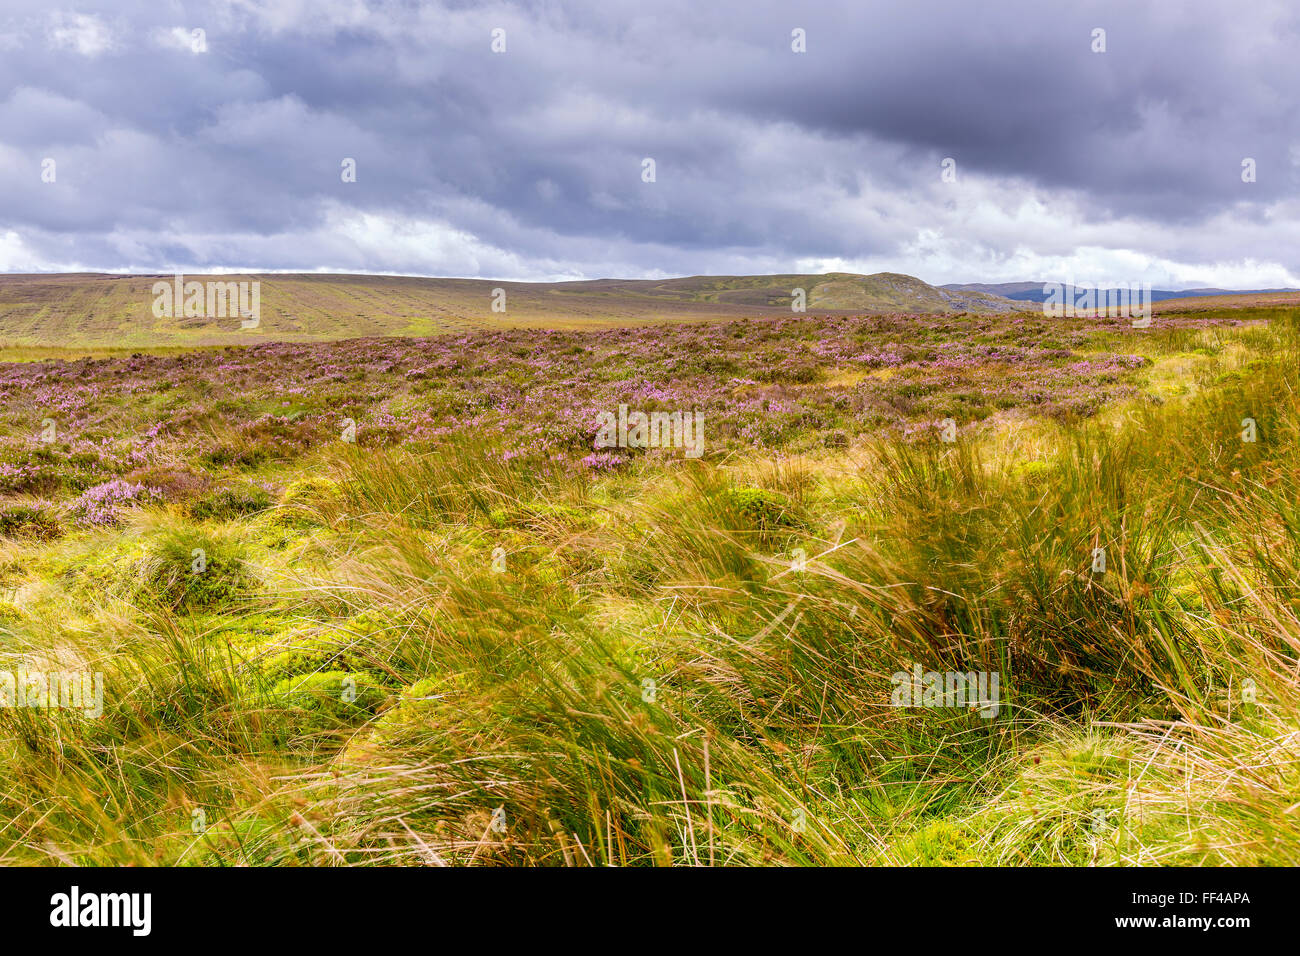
693 665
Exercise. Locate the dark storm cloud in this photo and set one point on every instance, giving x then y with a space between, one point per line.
528 163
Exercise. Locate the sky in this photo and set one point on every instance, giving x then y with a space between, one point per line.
954 141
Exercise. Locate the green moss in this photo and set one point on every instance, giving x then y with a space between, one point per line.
941 842
309 490
1171 390
315 703
302 500
765 510
539 517
250 632
192 570
1033 472
415 704
307 656
371 623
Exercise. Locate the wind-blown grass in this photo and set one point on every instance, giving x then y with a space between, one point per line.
467 657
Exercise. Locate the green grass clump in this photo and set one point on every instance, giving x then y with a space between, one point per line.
228 503
29 520
310 705
193 569
765 510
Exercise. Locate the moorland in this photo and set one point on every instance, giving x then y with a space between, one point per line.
363 590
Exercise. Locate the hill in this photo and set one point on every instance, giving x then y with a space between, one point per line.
1033 291
110 311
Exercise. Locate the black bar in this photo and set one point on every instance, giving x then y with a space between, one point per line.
340 905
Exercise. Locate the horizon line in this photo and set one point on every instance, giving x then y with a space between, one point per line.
222 271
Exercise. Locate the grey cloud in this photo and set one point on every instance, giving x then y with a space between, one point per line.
528 162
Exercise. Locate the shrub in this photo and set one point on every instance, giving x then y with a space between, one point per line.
102 504
29 520
766 510
191 570
173 482
230 502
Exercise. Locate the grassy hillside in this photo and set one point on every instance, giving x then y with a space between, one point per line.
892 292
116 311
1258 300
1033 292
468 637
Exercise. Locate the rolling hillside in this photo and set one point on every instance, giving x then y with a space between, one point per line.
1033 291
106 311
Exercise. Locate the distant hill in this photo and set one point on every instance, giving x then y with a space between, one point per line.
108 311
1033 291
892 291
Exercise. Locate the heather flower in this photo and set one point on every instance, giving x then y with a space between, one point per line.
100 505
603 461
